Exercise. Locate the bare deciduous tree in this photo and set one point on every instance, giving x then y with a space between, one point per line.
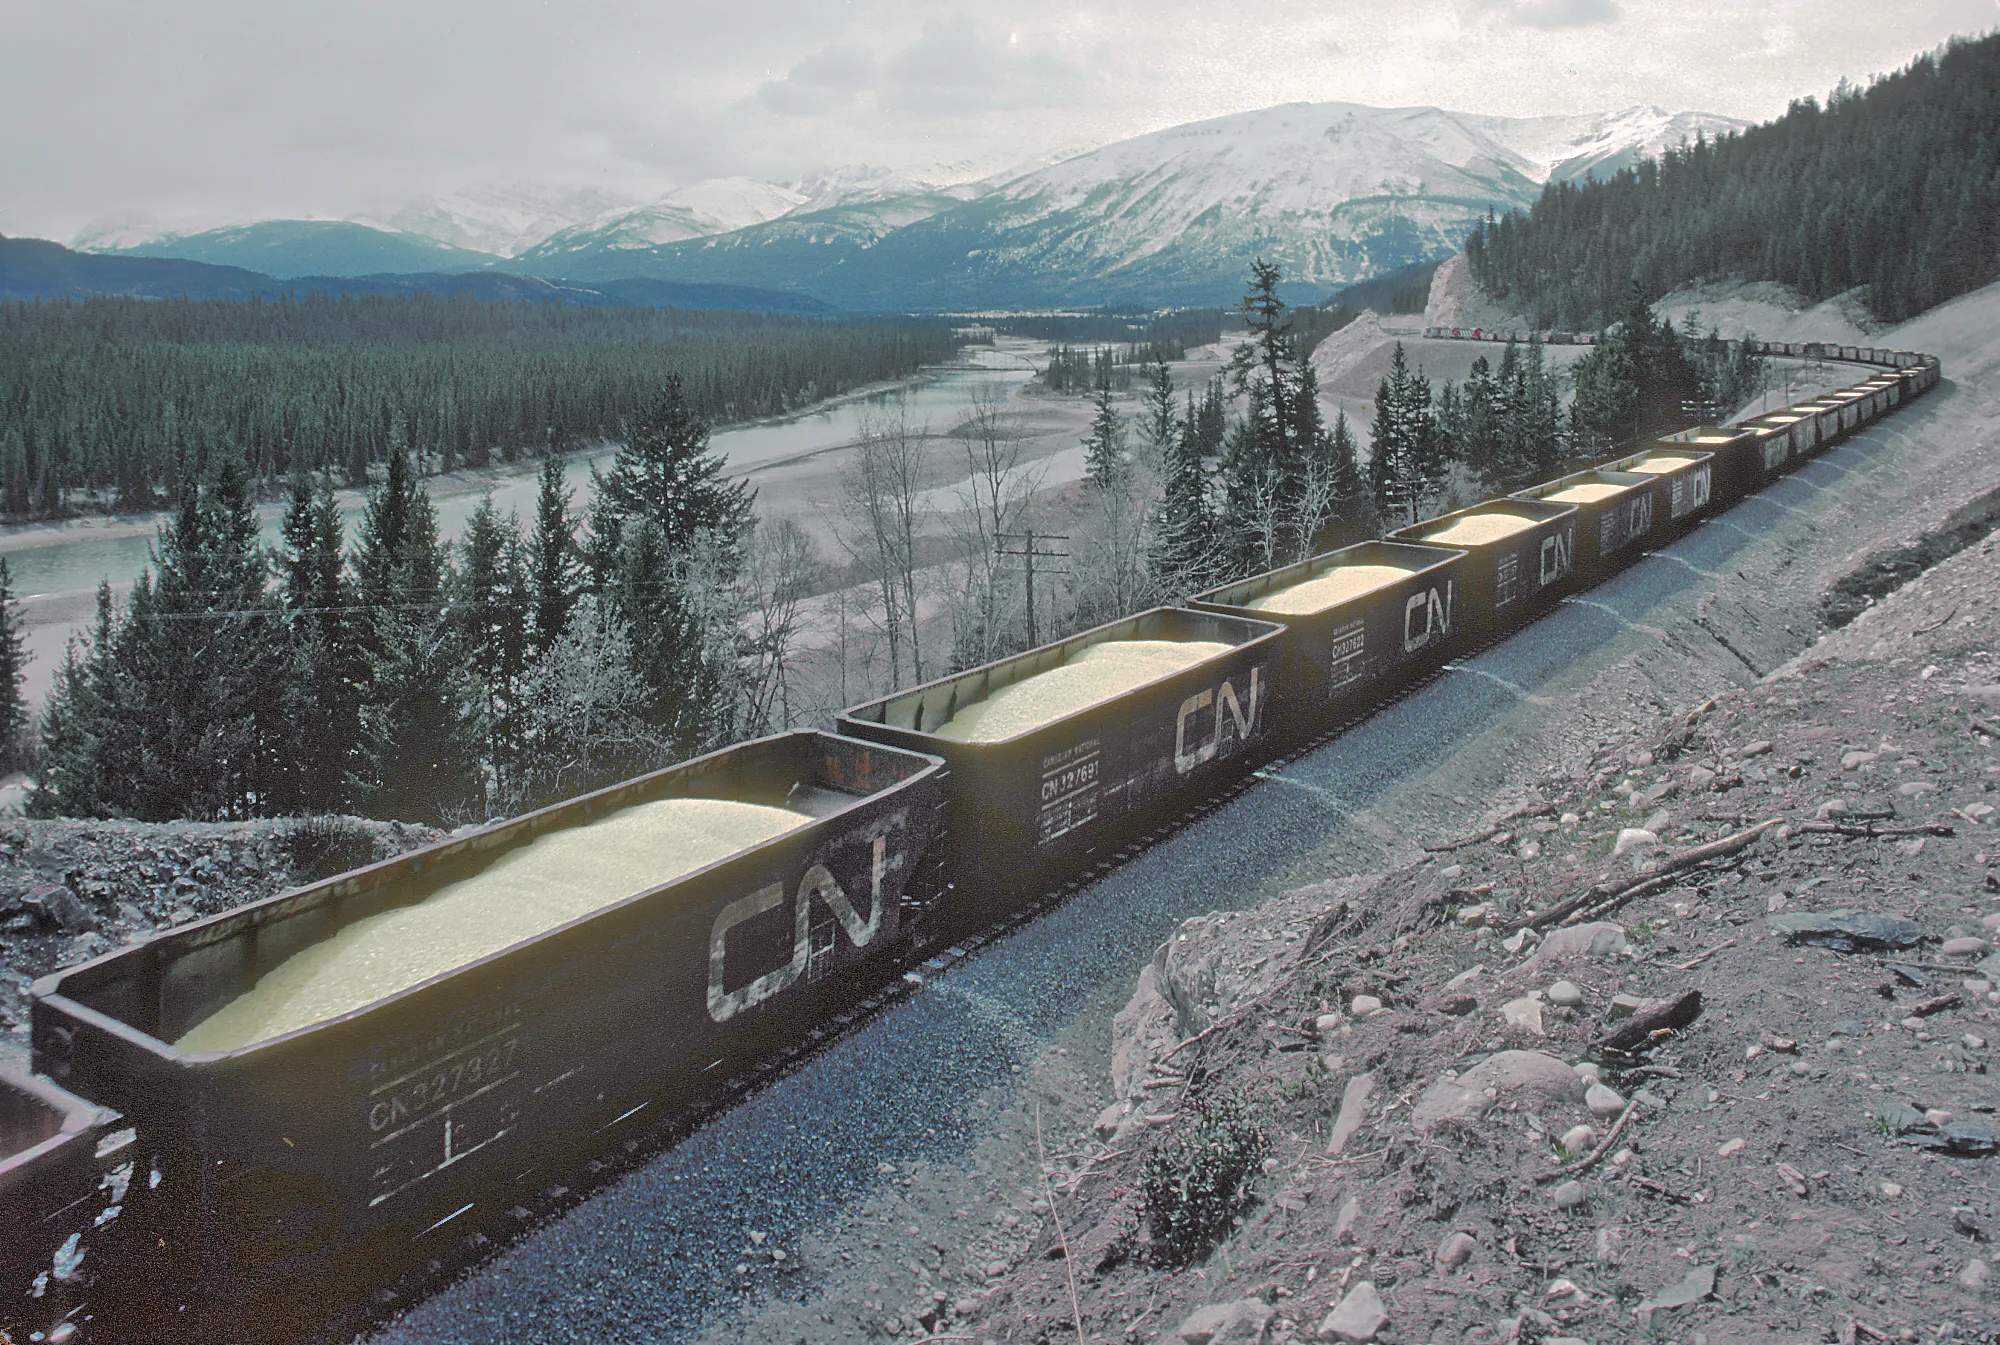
881 513
994 501
781 565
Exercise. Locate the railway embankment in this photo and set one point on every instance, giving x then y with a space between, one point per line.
1690 1040
71 890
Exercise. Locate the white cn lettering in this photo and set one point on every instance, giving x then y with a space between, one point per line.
817 882
1557 552
1225 701
1436 612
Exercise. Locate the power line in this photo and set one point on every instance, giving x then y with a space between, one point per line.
1030 555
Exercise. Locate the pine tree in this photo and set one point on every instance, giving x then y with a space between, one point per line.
1181 551
1479 436
1104 445
193 726
319 702
14 718
554 573
488 626
1403 468
397 557
1161 428
685 694
418 758
664 472
77 724
1268 462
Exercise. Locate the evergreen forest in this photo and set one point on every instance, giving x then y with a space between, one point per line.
113 404
1893 190
393 674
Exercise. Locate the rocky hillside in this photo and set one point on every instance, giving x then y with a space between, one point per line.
70 890
1689 1043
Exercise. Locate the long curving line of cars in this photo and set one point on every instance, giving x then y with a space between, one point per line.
317 1159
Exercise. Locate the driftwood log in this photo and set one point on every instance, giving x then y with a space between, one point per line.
1667 1016
1608 896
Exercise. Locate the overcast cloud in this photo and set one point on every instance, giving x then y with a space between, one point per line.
210 111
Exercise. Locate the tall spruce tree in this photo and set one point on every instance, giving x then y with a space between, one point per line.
554 571
664 472
418 756
198 666
1181 550
685 699
14 717
1404 471
78 728
319 697
490 599
1104 445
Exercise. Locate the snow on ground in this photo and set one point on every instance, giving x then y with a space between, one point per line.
1457 301
1770 312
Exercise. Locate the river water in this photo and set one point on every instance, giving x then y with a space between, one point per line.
79 555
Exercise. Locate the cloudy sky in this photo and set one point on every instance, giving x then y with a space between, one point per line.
207 111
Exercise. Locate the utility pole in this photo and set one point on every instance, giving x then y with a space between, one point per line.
1030 555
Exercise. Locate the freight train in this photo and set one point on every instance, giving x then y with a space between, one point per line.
313 1164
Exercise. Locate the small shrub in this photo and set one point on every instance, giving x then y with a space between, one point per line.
1197 1179
321 846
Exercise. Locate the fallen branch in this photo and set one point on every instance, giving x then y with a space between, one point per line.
1207 1031
1589 1160
1499 825
1618 893
1049 1190
1666 1193
1926 630
1989 727
1668 1016
1872 833
1694 962
1938 1005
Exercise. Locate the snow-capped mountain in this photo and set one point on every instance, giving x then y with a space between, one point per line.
1332 192
287 248
1566 149
715 206
504 221
131 229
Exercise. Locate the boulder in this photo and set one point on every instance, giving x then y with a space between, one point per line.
1142 1032
1454 1251
1505 1079
1245 1322
1598 941
1360 1316
1523 1015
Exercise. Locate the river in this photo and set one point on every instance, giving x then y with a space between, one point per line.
57 566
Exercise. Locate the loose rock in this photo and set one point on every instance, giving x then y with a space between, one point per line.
1360 1316
1455 1251
1247 1322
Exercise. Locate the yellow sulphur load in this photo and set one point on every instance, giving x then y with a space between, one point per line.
1657 466
1586 492
1095 674
1336 585
556 878
1475 529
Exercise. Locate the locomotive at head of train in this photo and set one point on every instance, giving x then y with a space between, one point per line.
323 1155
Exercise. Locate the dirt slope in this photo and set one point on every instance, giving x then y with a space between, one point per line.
1819 1135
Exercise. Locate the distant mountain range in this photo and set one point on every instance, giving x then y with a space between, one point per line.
1332 192
34 268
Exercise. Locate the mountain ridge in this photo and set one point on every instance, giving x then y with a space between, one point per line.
1334 193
